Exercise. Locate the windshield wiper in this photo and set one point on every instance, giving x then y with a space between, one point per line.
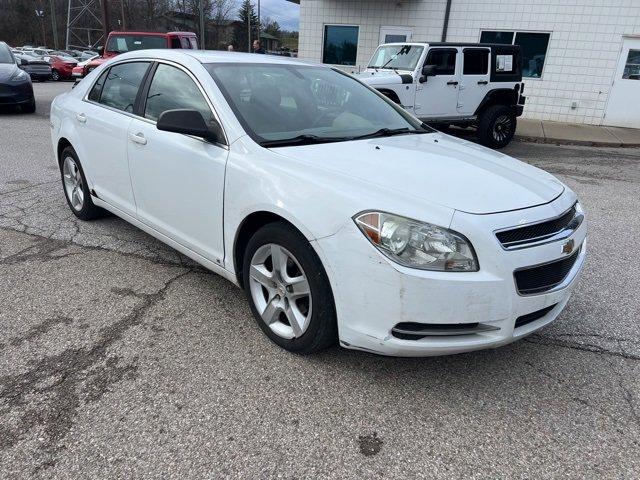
304 139
387 132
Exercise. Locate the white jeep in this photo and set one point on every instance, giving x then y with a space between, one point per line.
453 84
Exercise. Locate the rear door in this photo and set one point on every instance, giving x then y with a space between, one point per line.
474 81
438 96
103 122
178 180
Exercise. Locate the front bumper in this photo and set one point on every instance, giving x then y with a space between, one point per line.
15 94
373 294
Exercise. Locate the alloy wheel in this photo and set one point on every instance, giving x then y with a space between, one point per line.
280 291
502 128
73 185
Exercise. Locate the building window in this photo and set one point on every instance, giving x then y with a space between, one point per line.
534 48
476 61
340 44
632 66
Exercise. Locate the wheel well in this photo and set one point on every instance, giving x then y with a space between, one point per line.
248 227
504 97
390 94
62 144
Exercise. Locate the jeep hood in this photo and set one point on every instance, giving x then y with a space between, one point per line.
437 168
381 77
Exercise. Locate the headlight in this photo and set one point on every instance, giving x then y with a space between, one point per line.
418 244
19 76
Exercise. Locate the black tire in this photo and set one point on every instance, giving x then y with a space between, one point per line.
322 330
88 211
55 75
497 126
29 107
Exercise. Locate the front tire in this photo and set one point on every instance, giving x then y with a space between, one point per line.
497 126
76 189
55 76
288 290
29 107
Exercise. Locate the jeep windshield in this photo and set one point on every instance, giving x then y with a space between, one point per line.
289 104
396 57
128 43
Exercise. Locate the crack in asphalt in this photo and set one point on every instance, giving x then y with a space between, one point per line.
548 340
40 329
47 397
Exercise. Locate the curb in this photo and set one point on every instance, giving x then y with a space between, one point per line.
564 141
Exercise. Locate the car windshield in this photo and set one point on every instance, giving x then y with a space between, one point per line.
295 104
128 43
397 57
5 55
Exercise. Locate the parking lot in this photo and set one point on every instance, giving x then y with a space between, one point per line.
120 358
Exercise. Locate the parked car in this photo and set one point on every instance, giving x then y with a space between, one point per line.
15 83
61 67
87 54
464 84
79 69
38 70
122 42
340 214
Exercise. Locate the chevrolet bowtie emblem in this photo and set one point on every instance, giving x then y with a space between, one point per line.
568 247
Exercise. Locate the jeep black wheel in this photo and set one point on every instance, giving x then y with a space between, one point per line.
497 126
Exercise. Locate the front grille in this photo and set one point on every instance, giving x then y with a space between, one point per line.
519 236
532 317
542 278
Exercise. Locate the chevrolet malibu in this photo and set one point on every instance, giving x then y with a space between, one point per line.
343 217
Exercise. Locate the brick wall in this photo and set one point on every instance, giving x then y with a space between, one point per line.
586 36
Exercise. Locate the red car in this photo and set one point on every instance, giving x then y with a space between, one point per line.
122 42
61 67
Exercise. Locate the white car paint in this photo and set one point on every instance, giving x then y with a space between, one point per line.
319 188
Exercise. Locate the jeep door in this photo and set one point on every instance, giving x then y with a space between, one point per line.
474 81
438 96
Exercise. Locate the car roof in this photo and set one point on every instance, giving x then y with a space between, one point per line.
215 56
449 44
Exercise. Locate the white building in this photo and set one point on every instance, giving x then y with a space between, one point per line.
581 57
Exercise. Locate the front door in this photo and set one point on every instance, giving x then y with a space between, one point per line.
395 34
622 108
178 180
438 96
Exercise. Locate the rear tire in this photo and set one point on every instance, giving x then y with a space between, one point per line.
497 126
276 294
75 187
55 76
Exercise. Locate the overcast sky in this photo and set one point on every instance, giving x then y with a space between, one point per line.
285 13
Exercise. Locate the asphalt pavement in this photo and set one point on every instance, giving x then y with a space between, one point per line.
120 358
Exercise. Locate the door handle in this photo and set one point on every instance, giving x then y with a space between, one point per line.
138 138
452 83
482 82
81 117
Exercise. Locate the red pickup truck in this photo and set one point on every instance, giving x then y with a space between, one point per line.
122 42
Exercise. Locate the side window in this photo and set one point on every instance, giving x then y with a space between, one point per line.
170 89
121 85
94 94
476 62
444 59
175 42
194 43
184 41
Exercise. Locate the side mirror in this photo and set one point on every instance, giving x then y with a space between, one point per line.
100 51
428 71
190 122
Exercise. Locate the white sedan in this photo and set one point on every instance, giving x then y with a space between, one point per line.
341 216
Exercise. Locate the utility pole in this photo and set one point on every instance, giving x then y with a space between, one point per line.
124 24
259 21
40 15
54 24
201 8
106 27
249 29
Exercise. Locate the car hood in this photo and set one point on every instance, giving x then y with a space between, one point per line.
7 70
381 77
437 168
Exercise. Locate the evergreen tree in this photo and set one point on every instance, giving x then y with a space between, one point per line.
246 13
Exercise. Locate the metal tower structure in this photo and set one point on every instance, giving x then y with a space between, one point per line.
84 24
